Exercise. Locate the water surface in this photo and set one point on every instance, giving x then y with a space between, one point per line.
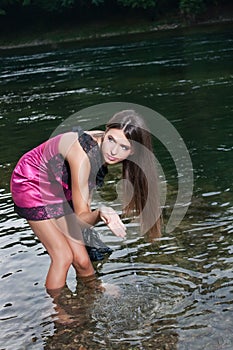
176 293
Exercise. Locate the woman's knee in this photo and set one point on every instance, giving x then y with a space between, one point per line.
53 240
82 261
62 257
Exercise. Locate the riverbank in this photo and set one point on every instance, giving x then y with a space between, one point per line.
54 37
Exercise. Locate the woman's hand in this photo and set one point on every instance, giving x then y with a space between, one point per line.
112 220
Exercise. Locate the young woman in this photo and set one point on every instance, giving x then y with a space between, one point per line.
51 187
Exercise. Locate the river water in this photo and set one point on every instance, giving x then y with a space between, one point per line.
176 293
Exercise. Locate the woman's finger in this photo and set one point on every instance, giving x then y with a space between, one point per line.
117 230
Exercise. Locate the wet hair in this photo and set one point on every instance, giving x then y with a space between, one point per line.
140 170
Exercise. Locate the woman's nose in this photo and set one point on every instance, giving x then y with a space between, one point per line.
114 150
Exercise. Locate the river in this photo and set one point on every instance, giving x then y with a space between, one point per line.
176 293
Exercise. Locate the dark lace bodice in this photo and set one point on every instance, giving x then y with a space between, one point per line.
59 180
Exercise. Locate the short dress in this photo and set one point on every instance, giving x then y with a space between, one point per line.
41 180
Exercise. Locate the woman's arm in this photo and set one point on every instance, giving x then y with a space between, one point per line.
80 169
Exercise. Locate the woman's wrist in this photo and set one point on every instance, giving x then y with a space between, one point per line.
101 213
98 214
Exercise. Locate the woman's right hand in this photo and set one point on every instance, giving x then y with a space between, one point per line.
113 221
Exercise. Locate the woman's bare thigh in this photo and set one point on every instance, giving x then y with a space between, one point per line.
71 227
51 236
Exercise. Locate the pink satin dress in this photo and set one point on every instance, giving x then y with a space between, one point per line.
41 180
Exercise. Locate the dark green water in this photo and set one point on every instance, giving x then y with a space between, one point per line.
177 293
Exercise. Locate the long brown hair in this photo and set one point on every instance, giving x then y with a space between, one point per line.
139 169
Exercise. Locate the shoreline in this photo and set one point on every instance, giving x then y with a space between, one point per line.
130 30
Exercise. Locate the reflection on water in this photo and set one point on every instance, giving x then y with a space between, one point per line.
176 293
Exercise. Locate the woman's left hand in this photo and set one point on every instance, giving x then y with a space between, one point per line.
113 221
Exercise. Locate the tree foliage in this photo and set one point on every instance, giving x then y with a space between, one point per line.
139 3
188 9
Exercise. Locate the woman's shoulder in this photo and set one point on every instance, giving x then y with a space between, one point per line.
96 135
80 141
67 141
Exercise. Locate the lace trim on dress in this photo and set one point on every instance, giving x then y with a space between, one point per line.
60 179
45 212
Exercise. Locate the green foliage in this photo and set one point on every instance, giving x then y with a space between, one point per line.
97 2
60 5
190 9
145 4
53 5
56 6
8 3
4 4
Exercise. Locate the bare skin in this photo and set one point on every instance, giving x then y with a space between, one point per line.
62 237
63 253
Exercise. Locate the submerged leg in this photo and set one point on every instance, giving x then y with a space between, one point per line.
59 297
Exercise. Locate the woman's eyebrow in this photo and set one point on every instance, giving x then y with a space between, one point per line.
121 144
126 146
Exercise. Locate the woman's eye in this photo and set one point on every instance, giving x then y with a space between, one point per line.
125 148
110 138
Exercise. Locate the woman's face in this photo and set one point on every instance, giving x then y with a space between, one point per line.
115 146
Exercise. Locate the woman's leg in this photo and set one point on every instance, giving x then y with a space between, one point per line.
70 225
81 259
58 249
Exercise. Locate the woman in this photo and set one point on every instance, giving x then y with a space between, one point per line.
51 187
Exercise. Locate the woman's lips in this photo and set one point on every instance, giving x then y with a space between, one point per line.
112 159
